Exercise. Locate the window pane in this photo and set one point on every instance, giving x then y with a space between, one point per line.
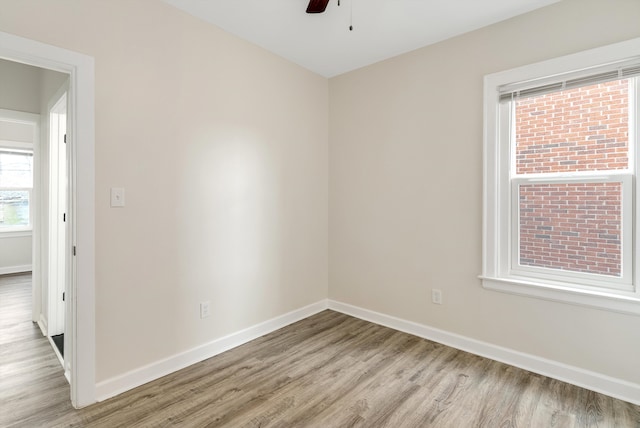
582 129
14 208
16 169
573 227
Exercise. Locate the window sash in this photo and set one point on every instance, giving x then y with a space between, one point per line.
22 149
507 112
510 210
623 283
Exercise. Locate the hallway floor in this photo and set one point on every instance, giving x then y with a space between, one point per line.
30 371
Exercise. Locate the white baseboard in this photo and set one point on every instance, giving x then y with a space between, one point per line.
119 384
604 384
14 269
42 323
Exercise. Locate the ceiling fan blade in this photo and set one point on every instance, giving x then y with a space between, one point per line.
317 6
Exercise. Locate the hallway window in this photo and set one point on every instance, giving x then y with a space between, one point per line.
16 187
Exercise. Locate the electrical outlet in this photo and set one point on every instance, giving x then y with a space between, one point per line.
205 309
436 296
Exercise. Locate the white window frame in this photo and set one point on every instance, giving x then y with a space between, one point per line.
499 215
15 231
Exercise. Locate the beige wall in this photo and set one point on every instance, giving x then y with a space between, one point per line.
19 87
222 149
406 189
15 254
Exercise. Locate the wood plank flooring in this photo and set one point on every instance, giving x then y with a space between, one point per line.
329 370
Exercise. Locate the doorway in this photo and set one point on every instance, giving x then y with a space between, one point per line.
33 193
80 218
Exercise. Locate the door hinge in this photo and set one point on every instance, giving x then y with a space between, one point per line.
65 138
74 250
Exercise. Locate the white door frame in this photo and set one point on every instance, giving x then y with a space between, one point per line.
81 145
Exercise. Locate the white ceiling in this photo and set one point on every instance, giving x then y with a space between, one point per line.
381 28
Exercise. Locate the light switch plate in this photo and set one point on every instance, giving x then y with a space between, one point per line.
117 197
205 309
436 296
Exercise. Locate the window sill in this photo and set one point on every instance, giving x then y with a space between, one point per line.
15 233
625 303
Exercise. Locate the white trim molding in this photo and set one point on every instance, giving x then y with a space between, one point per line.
134 378
27 233
596 299
598 382
42 323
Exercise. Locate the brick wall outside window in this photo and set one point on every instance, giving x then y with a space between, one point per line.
572 227
574 130
576 226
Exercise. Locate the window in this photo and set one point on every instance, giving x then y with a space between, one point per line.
561 203
16 187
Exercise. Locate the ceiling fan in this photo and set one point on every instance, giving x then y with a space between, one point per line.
317 6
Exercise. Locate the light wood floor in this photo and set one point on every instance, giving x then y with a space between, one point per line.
329 370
